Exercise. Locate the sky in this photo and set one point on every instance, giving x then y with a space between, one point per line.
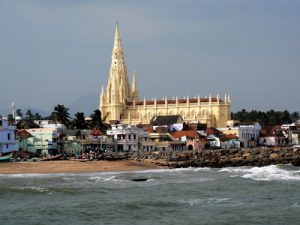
55 51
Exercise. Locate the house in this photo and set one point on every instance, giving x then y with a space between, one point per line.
44 140
229 141
7 137
213 131
249 133
229 130
193 140
213 141
172 122
272 136
50 124
125 137
166 142
22 140
294 135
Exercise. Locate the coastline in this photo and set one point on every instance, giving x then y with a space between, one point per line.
67 166
137 161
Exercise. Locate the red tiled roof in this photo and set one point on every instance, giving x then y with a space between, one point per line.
187 133
212 130
96 132
230 136
23 134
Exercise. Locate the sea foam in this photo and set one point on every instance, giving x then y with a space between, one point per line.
266 173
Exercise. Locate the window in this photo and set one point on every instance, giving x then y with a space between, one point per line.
8 136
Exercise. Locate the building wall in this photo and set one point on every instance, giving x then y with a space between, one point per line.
214 114
7 137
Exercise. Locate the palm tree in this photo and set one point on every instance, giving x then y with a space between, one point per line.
37 116
29 115
79 121
19 112
61 115
96 121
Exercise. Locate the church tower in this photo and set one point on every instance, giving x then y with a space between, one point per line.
118 89
134 91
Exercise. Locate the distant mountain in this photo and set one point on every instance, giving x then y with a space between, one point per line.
85 103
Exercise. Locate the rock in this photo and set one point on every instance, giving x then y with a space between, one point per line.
236 160
247 155
274 156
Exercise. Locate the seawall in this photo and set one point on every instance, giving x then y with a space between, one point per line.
223 157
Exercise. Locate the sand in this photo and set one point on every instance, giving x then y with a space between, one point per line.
66 166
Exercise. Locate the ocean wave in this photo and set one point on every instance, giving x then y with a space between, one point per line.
212 201
266 173
31 175
101 178
33 189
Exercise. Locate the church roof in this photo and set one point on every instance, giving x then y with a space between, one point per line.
166 120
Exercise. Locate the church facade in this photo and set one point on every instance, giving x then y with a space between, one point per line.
121 102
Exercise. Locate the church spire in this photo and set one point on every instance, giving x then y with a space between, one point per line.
118 71
117 39
102 96
134 91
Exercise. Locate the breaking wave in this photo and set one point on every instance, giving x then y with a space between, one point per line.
266 173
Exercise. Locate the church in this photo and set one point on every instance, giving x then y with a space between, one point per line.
121 102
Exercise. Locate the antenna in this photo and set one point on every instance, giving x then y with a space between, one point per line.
13 109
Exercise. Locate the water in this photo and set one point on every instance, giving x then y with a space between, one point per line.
242 195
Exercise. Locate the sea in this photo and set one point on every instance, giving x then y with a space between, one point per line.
239 195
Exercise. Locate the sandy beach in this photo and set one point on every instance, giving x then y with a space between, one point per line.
66 166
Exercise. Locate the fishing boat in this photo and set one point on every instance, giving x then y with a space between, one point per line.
6 158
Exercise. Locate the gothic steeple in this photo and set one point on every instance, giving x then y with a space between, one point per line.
119 71
134 91
118 89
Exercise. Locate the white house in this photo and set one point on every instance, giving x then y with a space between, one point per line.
249 133
126 138
7 137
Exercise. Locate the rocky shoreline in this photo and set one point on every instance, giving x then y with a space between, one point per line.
260 156
222 157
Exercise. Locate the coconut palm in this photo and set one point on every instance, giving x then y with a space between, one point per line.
96 122
29 115
61 115
79 121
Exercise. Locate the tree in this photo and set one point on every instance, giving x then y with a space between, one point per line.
10 119
96 121
79 121
19 112
37 116
29 115
61 115
268 118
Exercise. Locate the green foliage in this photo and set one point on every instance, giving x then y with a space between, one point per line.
96 122
29 115
10 119
37 116
19 113
61 115
79 121
268 118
